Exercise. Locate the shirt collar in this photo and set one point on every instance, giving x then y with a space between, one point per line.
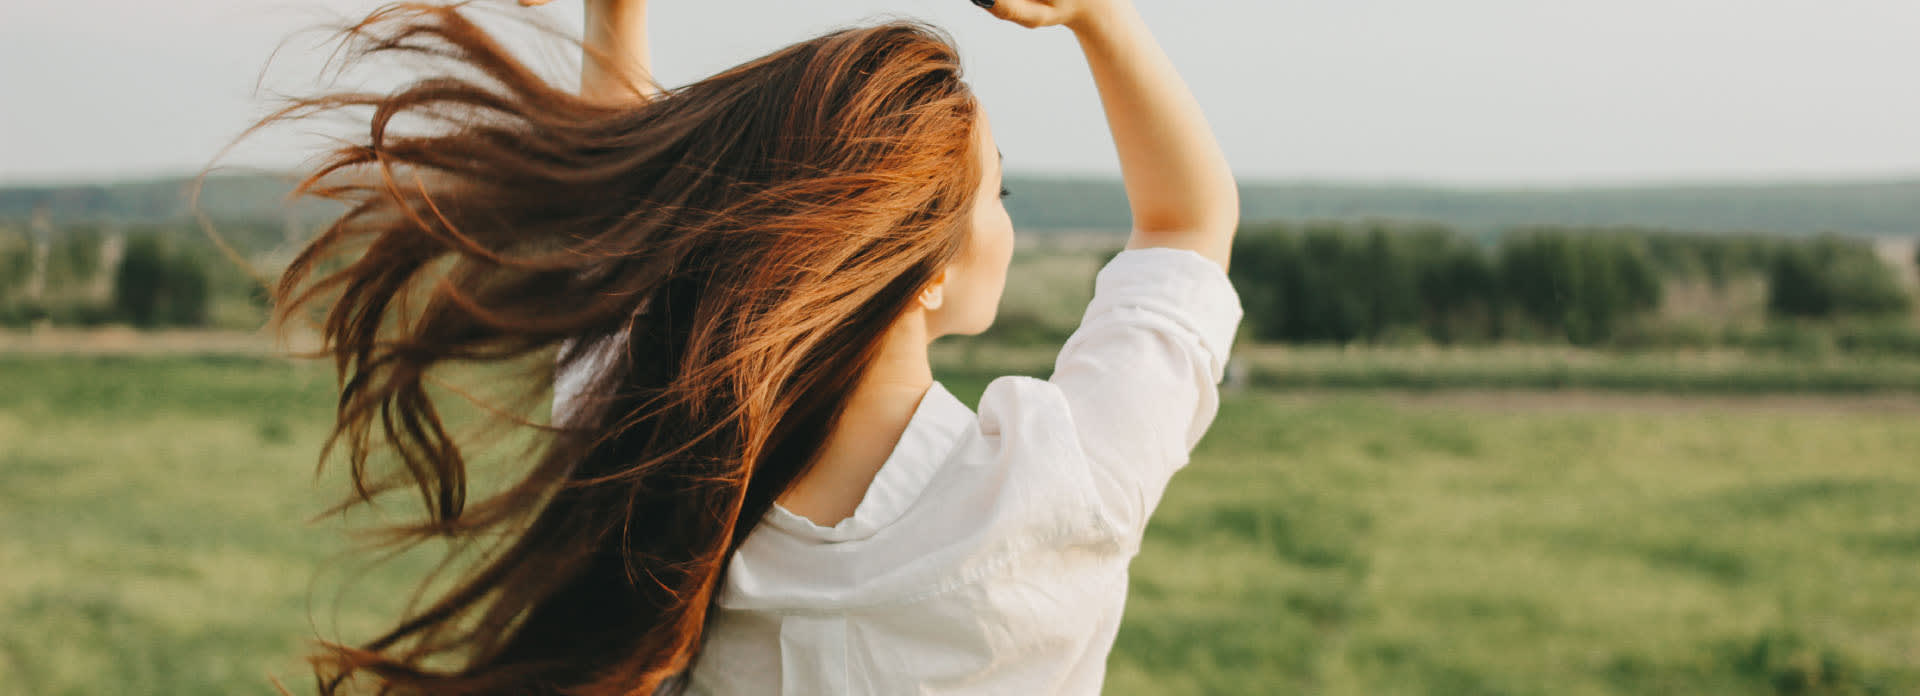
937 424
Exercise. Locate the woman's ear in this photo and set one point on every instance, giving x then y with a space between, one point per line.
935 293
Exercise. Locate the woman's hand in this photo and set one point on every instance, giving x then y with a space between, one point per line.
1073 14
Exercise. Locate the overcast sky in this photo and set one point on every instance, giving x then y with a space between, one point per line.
1455 91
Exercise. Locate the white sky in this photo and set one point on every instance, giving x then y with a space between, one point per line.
1459 92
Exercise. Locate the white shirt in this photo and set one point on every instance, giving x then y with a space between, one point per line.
989 555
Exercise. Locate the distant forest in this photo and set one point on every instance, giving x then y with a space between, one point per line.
1865 208
1042 203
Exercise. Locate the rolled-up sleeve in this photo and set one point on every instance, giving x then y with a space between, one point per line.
1141 374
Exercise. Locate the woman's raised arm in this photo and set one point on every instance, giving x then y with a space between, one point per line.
615 66
1178 184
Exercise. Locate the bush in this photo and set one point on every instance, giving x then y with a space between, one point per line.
156 286
1830 277
1326 282
1714 258
1580 285
16 261
1323 300
1459 288
1330 282
21 313
73 259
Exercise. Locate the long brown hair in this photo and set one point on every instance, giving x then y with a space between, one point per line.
740 246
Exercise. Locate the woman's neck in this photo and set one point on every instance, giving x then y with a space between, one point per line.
875 416
902 367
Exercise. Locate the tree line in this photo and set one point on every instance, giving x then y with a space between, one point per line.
1307 282
1375 282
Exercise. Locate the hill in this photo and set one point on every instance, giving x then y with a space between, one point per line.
1867 208
1888 207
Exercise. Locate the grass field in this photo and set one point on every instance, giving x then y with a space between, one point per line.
153 541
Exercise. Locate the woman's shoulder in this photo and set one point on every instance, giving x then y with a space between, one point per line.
1018 403
1029 431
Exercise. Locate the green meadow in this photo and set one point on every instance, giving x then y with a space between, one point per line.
154 539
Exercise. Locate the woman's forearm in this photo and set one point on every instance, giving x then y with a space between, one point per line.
1179 186
616 65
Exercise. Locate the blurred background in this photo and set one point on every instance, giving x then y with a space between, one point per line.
1582 351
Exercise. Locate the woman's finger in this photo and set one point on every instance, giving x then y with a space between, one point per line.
1027 13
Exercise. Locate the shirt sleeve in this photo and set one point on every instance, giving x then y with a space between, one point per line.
1141 374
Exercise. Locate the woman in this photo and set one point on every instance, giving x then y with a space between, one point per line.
752 484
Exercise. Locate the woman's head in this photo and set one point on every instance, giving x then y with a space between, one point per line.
964 296
740 246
